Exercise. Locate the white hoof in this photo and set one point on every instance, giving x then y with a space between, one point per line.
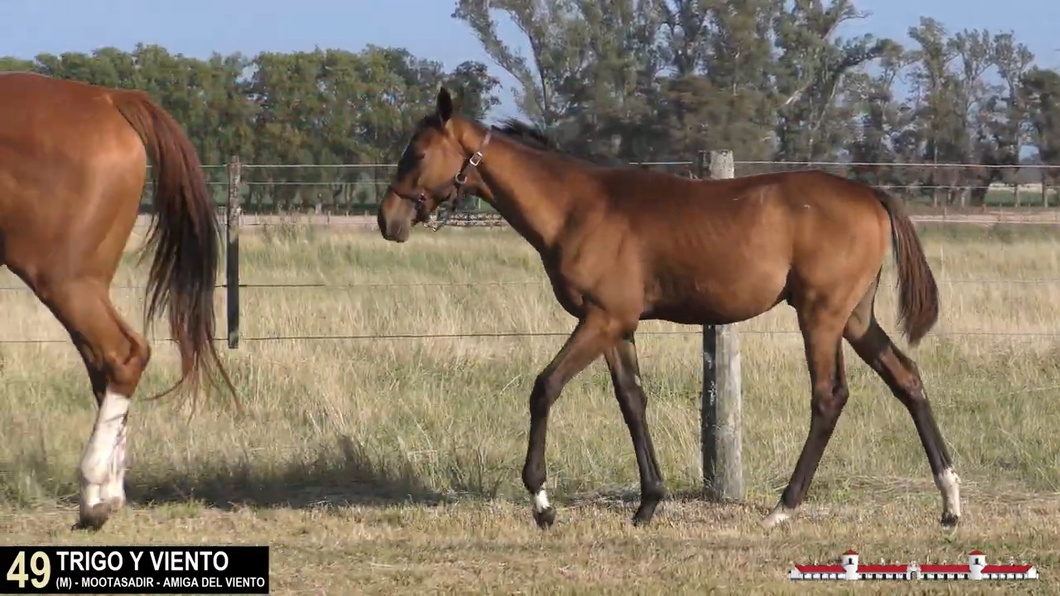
779 515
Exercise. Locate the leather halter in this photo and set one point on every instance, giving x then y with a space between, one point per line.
419 201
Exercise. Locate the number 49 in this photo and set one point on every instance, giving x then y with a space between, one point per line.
39 565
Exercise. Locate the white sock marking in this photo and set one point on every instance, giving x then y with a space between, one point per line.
636 380
779 515
949 485
103 463
541 501
113 490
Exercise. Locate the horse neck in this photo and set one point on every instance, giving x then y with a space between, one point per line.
518 183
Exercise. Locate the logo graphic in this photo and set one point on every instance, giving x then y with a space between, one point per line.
976 569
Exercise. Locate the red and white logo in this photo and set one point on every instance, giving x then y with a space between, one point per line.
977 568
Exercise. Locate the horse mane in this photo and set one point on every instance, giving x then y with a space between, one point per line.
536 138
528 134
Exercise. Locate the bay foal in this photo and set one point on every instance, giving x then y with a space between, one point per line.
73 162
621 245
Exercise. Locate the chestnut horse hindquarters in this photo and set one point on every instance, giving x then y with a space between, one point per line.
70 187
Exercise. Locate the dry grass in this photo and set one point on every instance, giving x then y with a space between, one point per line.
393 465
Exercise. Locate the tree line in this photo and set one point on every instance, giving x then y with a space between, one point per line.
772 80
636 80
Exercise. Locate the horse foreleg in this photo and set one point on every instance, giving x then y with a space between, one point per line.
596 332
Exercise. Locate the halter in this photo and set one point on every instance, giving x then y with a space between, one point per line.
456 185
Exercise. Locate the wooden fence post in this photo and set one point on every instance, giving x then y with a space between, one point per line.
232 217
720 414
1045 188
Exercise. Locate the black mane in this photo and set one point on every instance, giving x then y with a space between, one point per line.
533 136
528 134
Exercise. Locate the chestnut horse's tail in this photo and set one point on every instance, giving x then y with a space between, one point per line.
917 292
185 237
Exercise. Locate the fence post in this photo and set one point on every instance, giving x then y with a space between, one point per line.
1045 188
720 413
232 216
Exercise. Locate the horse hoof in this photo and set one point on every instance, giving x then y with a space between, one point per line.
779 515
545 518
94 518
645 513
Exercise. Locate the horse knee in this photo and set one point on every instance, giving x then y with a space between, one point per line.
829 399
546 390
841 393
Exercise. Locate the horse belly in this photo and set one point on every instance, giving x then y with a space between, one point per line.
720 298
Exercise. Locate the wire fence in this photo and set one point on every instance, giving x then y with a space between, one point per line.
524 334
339 190
300 176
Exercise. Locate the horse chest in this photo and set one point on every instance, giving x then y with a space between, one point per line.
570 297
577 281
566 285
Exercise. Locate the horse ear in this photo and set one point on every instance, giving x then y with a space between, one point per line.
445 104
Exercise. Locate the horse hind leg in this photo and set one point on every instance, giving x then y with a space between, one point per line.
902 376
115 357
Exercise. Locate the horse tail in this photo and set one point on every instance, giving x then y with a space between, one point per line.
185 237
918 294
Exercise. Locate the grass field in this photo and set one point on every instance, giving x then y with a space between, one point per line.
392 465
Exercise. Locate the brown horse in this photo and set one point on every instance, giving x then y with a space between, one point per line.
622 245
73 163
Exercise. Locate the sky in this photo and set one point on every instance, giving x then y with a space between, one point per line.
198 27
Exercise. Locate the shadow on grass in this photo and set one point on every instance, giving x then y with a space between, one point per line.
353 479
